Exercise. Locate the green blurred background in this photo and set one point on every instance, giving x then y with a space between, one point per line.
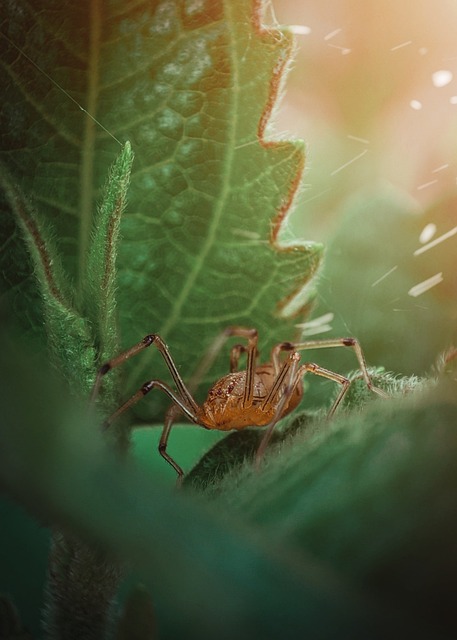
381 127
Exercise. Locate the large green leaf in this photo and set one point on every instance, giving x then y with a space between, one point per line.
192 85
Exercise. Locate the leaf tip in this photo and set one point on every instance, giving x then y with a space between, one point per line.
127 150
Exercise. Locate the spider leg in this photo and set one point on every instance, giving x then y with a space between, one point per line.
237 350
287 379
133 351
206 362
251 350
183 401
310 367
213 350
284 383
178 406
329 344
208 359
144 390
170 417
235 354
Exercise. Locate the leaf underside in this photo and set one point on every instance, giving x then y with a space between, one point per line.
191 85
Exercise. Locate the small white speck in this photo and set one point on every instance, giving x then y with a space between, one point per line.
423 51
427 233
453 99
400 46
193 6
332 34
187 148
168 122
424 286
416 105
442 77
172 70
300 29
164 19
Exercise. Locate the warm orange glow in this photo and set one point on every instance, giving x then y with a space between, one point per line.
378 79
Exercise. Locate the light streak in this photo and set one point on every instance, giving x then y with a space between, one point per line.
438 240
313 331
400 46
56 84
344 50
332 34
424 286
443 166
376 282
427 184
349 162
363 140
318 195
317 325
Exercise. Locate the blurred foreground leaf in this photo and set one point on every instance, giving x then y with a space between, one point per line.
372 494
10 625
54 461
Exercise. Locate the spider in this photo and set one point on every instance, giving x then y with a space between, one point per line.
258 396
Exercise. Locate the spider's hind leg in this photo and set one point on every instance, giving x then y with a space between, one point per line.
331 343
282 388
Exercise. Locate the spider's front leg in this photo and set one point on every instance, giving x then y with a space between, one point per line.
147 341
182 399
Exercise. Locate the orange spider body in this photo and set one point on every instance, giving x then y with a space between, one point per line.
221 409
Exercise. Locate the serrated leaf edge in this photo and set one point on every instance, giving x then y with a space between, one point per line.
299 300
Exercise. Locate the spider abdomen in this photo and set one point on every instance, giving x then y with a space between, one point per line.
221 409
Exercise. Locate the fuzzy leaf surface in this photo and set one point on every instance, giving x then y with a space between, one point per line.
192 85
209 576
